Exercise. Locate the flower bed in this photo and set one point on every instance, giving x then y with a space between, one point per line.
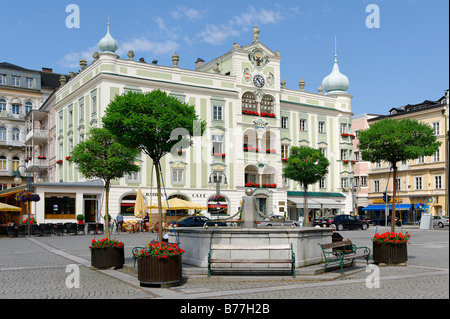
107 253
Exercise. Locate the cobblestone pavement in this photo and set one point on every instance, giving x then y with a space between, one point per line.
36 268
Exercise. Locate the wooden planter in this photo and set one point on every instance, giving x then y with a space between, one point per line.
159 271
390 253
104 258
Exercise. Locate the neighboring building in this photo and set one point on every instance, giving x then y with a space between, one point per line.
360 168
252 121
421 183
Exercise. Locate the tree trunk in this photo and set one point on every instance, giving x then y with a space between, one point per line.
158 186
394 167
305 207
107 186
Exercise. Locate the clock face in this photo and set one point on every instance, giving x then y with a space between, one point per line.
258 81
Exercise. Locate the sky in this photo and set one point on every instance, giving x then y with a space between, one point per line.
394 52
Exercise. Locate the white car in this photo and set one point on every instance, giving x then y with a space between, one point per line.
276 220
440 221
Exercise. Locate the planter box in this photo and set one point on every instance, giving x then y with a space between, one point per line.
389 253
159 271
104 258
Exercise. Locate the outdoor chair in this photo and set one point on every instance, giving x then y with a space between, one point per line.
80 228
59 229
11 231
21 230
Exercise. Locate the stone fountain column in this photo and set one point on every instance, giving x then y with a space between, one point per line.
248 209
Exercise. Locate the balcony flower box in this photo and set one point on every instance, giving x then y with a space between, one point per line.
345 134
27 159
256 185
180 152
68 158
254 113
251 149
42 157
265 185
345 161
353 162
269 151
219 155
265 114
59 162
284 160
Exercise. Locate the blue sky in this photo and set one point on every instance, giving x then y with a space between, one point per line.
404 61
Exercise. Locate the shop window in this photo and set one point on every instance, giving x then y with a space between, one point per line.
60 205
127 205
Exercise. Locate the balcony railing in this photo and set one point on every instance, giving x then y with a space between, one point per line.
37 134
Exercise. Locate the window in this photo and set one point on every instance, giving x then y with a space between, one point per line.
133 177
15 134
28 107
437 156
323 150
2 133
436 128
217 146
344 182
61 122
321 127
94 102
284 122
217 113
302 125
343 128
16 80
15 108
322 183
343 155
3 79
438 182
363 181
3 162
357 156
15 163
418 181
177 176
376 186
30 83
81 110
357 133
399 184
421 160
70 117
2 105
284 151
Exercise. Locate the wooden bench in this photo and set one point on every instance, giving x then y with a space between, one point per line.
213 247
339 252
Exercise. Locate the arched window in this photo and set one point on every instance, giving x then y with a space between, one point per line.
217 205
266 104
16 134
249 103
28 107
3 162
127 205
2 133
2 105
15 107
15 163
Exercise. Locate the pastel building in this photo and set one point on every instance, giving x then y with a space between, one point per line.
252 119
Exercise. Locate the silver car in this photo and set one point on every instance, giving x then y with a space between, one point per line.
440 221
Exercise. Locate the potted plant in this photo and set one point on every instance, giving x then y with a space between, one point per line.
390 248
80 218
160 264
32 221
107 253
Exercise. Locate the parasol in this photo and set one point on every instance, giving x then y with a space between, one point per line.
139 207
9 208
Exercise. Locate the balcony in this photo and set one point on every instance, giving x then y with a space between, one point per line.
39 136
39 162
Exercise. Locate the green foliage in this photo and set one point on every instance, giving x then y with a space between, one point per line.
394 141
101 156
306 165
147 120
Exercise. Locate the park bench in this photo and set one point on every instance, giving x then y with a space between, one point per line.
288 247
339 252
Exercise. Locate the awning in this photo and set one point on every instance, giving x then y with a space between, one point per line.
417 206
9 208
300 202
372 208
317 203
329 203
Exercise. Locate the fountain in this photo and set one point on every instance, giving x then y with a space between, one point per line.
196 241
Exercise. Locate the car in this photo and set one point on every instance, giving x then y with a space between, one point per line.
196 221
366 219
440 221
276 220
345 221
324 221
382 221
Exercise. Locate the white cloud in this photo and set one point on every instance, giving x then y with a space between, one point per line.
191 14
72 60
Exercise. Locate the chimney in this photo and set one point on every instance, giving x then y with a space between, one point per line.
47 70
199 63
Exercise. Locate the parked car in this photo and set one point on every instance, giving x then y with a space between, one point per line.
366 219
324 221
196 221
383 221
276 220
349 222
440 221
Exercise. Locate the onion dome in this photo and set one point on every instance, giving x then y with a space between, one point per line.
335 82
108 43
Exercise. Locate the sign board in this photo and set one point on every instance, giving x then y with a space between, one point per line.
426 222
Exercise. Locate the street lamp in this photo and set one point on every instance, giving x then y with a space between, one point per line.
216 177
29 180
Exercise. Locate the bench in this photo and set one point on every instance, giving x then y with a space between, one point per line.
134 253
339 252
288 247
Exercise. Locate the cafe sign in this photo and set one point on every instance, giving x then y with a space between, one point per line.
380 201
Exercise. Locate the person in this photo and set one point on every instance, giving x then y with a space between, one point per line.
146 222
166 238
119 219
336 237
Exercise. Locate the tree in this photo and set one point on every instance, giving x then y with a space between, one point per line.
307 166
101 156
394 141
153 122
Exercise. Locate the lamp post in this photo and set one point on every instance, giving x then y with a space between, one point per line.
29 180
